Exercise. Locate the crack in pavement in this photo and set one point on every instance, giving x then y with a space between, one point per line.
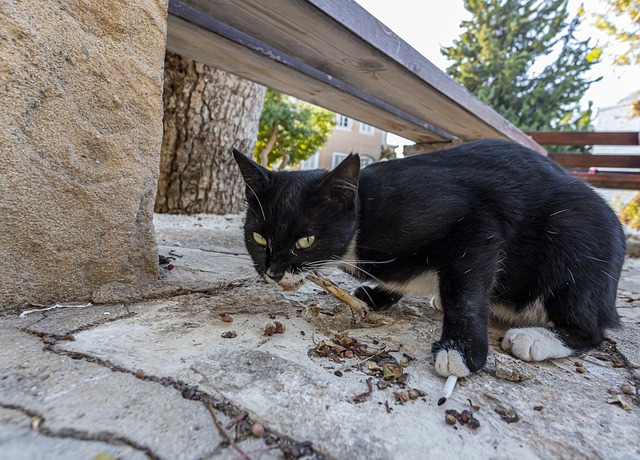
81 435
243 427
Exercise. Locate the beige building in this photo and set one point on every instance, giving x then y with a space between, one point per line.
349 136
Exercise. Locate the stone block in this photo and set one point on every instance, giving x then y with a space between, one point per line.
80 136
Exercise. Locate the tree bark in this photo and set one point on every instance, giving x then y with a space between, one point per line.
207 112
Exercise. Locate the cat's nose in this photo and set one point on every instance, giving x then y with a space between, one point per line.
275 275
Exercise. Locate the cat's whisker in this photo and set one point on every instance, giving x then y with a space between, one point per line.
363 271
258 200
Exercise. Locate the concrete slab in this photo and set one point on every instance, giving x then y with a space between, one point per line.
144 373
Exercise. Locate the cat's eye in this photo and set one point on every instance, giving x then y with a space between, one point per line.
258 238
306 242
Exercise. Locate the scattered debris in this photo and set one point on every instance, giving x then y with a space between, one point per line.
508 415
257 430
362 397
354 303
229 335
619 400
538 408
466 417
226 317
387 408
269 329
140 373
450 419
58 305
511 369
279 327
627 389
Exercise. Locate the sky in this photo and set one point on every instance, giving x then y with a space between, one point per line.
427 25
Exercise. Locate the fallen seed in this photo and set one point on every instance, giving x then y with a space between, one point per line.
580 370
257 430
465 416
226 317
626 389
279 327
450 419
473 423
269 329
140 373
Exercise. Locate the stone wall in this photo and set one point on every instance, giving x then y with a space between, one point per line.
80 134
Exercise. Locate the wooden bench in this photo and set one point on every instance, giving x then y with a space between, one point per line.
586 166
334 54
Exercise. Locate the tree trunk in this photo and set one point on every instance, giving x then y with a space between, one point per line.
207 112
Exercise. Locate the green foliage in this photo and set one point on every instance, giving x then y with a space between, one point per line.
630 214
497 54
621 21
290 130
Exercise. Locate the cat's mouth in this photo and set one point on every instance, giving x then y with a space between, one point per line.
291 286
289 282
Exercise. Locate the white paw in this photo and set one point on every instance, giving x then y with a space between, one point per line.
534 344
451 362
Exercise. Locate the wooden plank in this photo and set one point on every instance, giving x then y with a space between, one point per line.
196 42
579 160
238 53
342 40
621 181
585 138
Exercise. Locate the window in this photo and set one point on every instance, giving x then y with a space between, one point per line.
311 162
365 161
343 122
367 129
337 159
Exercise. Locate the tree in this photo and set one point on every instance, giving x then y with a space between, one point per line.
621 21
290 131
502 46
207 112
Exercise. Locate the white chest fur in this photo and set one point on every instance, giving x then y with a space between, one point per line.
425 284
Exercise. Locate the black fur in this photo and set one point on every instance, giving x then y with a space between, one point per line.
496 221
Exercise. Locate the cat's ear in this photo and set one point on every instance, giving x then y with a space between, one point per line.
255 176
342 183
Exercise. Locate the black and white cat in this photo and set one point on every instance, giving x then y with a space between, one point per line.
490 227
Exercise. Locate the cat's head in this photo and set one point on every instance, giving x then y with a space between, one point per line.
298 221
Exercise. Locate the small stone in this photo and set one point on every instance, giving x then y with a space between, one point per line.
229 335
279 327
257 430
450 419
580 370
140 373
226 317
627 389
49 340
413 394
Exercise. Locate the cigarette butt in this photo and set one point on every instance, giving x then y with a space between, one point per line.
449 385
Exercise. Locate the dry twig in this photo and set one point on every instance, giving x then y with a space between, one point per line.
353 302
224 434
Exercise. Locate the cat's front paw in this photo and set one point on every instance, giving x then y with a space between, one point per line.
450 357
534 344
